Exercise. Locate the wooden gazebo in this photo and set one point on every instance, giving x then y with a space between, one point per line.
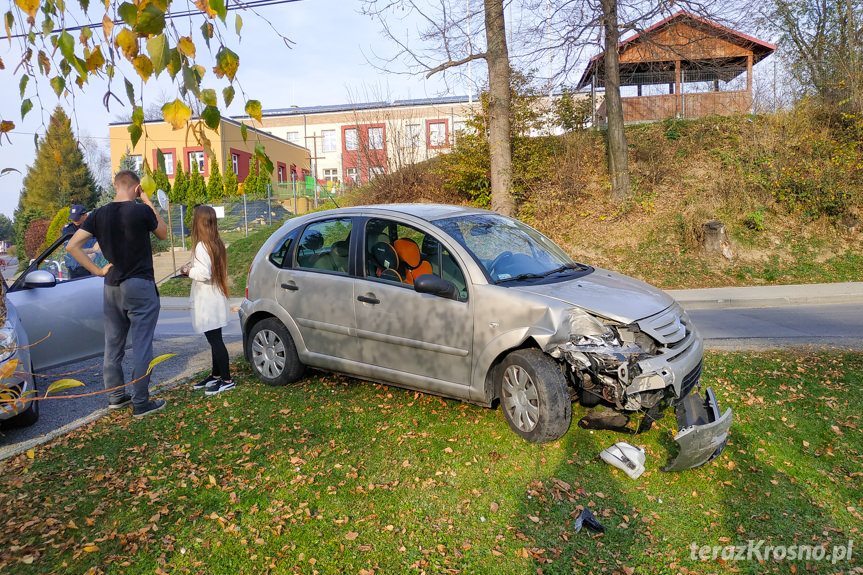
701 63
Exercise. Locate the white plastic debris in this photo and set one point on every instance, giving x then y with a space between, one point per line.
628 458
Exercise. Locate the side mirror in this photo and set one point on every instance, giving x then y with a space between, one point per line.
431 284
40 279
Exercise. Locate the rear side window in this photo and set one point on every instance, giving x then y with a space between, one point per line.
279 255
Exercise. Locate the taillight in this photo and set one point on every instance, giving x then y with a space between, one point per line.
248 276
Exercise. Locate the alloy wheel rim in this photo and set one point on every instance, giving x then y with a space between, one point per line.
268 353
520 398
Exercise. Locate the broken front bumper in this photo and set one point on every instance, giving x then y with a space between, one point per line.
701 431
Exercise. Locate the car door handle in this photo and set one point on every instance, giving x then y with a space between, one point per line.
291 286
367 299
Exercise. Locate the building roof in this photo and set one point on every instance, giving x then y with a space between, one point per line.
325 109
760 49
228 120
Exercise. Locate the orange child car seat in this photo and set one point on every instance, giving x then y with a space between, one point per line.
412 264
387 262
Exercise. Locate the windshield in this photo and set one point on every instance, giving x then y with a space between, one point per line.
508 249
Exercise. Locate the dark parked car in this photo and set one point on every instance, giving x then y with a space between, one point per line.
468 304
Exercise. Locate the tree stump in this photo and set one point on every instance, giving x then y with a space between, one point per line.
715 239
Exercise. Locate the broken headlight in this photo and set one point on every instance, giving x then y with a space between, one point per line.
8 341
584 329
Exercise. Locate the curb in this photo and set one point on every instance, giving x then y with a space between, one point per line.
182 303
773 296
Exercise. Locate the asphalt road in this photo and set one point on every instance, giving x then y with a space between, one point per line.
173 335
831 326
815 326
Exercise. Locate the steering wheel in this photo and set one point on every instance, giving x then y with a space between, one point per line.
497 260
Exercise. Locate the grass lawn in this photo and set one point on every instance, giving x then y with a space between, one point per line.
334 475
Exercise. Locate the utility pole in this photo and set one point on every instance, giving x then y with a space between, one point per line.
314 159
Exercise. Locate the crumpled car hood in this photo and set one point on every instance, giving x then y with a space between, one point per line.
608 294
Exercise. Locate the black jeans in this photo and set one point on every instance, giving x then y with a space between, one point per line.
221 365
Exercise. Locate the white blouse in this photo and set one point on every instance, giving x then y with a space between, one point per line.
208 304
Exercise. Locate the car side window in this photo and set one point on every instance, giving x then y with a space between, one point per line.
400 253
64 267
325 246
280 252
444 264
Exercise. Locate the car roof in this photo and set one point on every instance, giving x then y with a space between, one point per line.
427 212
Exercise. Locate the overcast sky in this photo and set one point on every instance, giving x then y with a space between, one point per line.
325 65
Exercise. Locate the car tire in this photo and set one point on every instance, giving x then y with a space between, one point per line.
534 396
29 416
273 354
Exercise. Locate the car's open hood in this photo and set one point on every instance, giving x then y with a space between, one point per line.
608 294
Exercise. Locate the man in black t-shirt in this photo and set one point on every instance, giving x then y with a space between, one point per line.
131 303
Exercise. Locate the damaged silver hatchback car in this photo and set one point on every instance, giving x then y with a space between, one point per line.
469 304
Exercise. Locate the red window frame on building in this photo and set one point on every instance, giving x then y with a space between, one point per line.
165 152
282 171
429 124
243 159
186 151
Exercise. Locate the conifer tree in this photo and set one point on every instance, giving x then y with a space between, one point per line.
250 185
231 187
177 194
196 192
127 163
162 182
59 176
215 187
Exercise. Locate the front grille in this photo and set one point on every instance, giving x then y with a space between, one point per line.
665 327
690 380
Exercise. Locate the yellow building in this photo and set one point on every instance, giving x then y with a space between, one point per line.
227 147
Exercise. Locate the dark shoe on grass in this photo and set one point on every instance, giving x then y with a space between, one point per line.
148 408
219 387
124 402
205 383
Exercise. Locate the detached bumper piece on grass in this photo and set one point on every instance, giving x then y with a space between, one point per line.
701 431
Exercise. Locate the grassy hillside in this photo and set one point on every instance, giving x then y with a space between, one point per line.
788 187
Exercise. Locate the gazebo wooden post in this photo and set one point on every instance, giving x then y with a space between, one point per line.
749 80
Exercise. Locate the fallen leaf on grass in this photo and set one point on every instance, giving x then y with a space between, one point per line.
352 535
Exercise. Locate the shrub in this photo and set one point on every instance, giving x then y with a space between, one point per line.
34 238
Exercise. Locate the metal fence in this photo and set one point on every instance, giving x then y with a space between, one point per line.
247 213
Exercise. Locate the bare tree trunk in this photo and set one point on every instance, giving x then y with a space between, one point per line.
498 109
618 160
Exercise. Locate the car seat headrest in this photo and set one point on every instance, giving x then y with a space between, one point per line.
385 255
340 248
408 251
314 241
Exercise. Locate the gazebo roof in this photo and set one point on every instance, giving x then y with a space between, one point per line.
629 66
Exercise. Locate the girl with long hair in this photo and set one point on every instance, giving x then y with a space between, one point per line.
209 302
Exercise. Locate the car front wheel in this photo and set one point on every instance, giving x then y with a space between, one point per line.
273 354
534 396
30 415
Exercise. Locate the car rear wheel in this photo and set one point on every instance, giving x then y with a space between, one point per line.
273 354
534 396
